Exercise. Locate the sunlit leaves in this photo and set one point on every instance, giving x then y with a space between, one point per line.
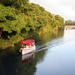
21 15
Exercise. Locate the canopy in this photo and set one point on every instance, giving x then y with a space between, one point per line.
27 41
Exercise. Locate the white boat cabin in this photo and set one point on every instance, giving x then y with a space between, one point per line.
27 46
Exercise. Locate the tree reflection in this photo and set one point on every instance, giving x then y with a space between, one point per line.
12 64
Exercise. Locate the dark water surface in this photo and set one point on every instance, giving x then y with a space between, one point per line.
54 56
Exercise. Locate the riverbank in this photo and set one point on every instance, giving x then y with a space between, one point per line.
19 21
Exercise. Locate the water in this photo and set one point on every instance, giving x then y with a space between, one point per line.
60 59
54 56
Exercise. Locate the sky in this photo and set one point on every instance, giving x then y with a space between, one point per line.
64 8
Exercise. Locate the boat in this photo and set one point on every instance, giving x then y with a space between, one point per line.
28 46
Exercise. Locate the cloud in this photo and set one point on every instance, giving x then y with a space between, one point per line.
65 8
69 4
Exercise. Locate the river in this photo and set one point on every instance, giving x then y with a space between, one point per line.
55 56
59 59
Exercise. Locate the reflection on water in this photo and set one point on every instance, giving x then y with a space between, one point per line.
60 59
7 65
55 55
27 58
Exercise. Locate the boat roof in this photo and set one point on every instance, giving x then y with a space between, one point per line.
27 41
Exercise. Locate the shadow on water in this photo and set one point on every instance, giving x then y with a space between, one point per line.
15 64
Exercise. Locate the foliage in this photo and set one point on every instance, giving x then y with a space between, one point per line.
19 16
69 22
